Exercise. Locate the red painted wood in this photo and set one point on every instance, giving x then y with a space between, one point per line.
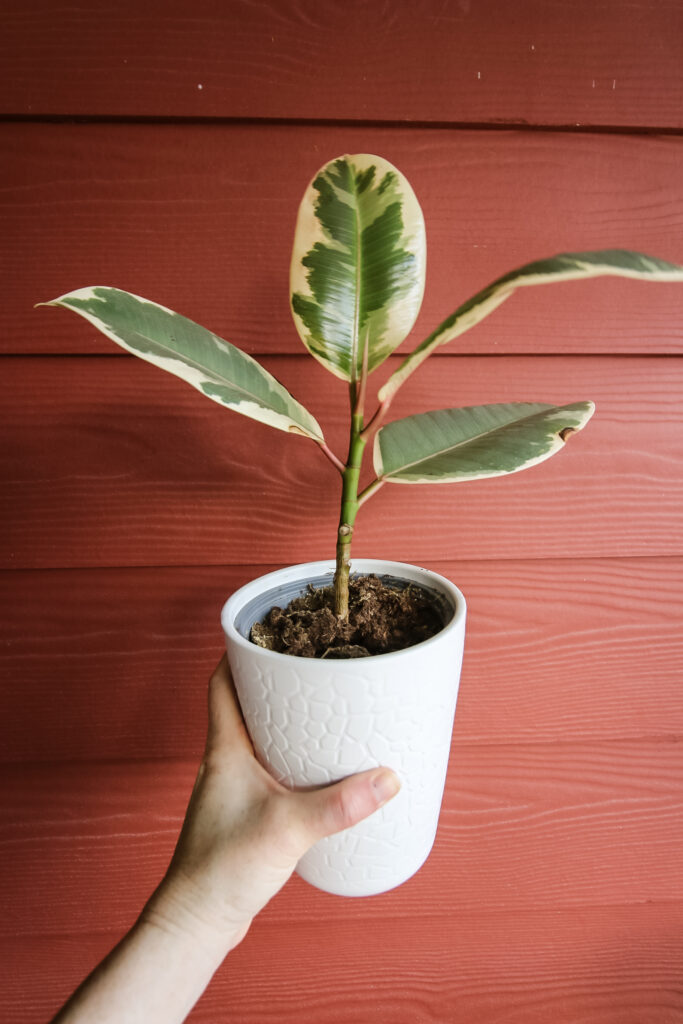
114 663
538 61
554 890
110 462
132 206
524 827
592 964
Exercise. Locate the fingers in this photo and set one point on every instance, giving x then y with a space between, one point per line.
318 813
226 725
334 808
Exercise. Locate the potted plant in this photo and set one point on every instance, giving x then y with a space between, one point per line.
356 700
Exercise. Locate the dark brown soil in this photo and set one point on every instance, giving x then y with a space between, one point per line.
382 618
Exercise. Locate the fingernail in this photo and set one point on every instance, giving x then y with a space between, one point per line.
385 785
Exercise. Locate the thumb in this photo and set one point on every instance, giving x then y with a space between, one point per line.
343 804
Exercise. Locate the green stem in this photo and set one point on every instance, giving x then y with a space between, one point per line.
371 489
347 517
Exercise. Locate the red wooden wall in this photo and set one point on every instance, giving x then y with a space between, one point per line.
163 147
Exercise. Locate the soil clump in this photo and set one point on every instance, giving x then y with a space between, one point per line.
382 618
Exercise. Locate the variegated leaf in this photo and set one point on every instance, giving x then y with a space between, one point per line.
215 367
570 266
358 264
475 442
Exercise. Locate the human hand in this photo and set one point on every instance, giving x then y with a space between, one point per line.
244 832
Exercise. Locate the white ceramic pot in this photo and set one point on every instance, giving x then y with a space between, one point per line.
313 722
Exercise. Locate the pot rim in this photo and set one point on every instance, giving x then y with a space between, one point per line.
300 572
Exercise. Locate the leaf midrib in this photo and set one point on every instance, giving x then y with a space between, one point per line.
211 374
359 277
452 447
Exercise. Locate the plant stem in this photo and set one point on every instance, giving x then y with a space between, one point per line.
376 421
347 517
337 463
371 489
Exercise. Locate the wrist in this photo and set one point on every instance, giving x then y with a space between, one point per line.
157 972
180 908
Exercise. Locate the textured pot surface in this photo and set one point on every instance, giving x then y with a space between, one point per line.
314 721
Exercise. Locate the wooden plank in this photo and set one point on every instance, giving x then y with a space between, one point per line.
600 965
522 827
542 61
132 206
109 462
114 663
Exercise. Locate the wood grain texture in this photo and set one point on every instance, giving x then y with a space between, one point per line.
539 62
619 965
113 664
522 827
109 462
131 507
133 206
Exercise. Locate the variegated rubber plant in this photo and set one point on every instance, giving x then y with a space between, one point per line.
357 280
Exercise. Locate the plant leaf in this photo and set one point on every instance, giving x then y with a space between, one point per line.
475 442
358 264
215 367
568 266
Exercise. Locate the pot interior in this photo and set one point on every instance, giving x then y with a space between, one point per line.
279 596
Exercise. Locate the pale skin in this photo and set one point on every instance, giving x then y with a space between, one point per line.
242 836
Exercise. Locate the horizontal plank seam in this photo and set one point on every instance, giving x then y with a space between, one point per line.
495 560
492 913
459 354
316 123
649 740
258 566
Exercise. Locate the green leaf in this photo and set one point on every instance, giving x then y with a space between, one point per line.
474 442
358 264
568 266
213 366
